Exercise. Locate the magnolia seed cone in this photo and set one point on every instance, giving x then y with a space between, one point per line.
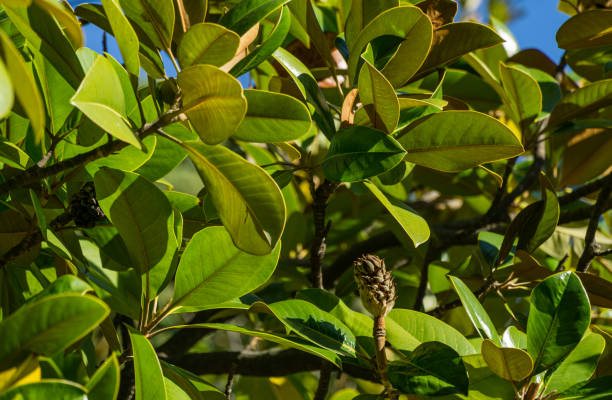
376 286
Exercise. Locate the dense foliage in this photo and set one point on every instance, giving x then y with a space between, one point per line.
399 204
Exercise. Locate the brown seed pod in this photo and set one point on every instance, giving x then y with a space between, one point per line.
375 283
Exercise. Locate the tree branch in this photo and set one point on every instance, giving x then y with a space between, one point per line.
590 245
273 362
35 174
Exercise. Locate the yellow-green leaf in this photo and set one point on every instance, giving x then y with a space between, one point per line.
507 362
213 100
207 43
249 202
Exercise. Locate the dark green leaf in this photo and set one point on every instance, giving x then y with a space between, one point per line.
48 326
104 384
358 152
479 317
559 314
247 13
56 390
431 369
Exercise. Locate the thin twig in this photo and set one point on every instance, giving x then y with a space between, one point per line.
590 245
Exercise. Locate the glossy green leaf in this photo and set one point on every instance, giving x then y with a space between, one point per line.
194 387
273 117
48 326
412 223
24 84
309 89
579 365
207 43
378 98
360 15
479 317
269 45
359 152
51 389
582 101
212 270
104 384
452 41
508 363
512 337
425 328
453 141
154 17
360 324
289 341
67 20
100 97
148 375
594 389
142 215
432 369
126 37
559 314
7 96
524 98
484 384
312 323
249 202
247 13
408 23
213 101
587 29
44 35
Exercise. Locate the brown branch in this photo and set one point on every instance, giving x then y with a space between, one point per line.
590 245
35 174
317 250
584 190
317 253
273 362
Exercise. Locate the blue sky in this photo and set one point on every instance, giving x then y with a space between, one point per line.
536 28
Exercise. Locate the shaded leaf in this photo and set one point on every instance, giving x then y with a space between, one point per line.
432 369
582 101
245 14
408 23
104 384
312 323
378 98
154 17
56 389
587 29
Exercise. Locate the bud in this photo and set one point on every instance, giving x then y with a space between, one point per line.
376 286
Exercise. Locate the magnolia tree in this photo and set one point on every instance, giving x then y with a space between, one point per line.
399 205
